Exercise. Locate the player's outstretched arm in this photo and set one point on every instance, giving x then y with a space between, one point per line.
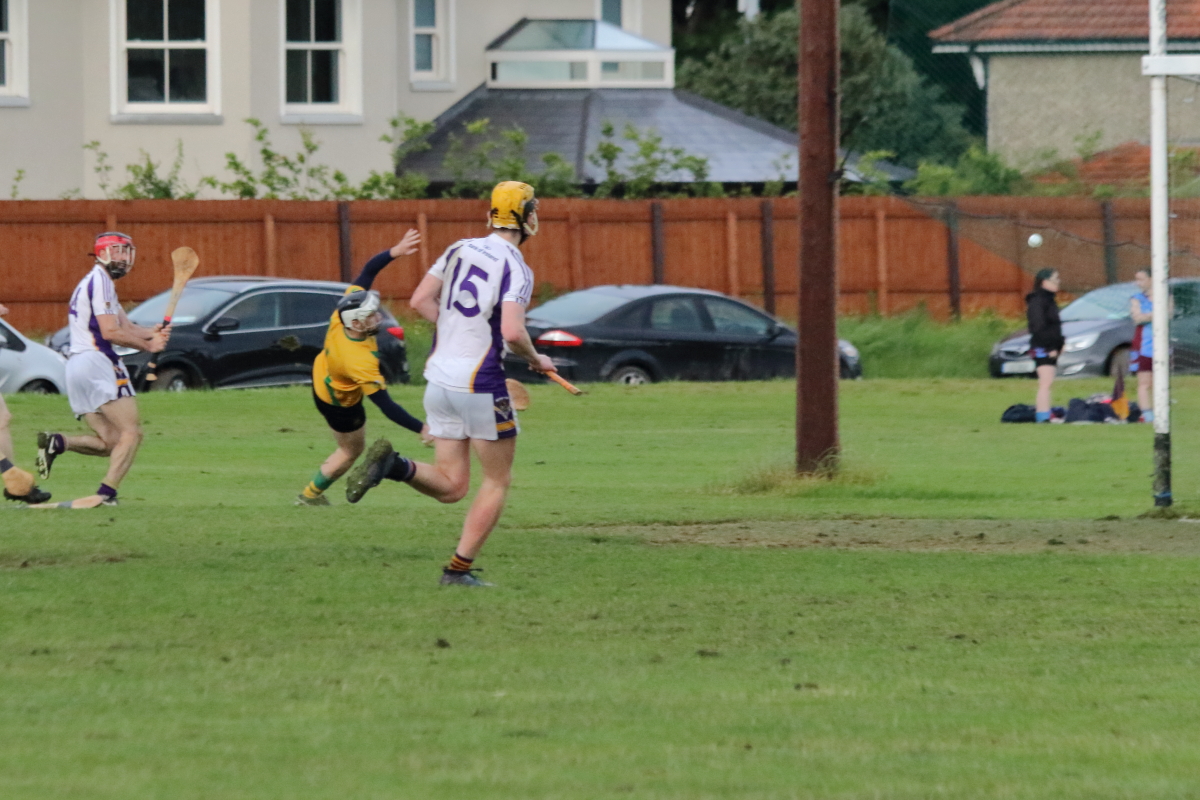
371 270
395 412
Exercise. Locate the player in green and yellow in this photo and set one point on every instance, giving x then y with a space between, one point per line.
347 370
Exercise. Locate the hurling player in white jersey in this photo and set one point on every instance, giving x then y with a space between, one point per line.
98 385
476 294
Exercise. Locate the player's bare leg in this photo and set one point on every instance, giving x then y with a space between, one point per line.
1145 390
118 431
496 458
349 447
18 484
448 478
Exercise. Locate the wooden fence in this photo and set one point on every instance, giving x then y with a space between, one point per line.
895 255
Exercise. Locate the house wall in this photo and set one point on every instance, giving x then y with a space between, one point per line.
71 92
1037 102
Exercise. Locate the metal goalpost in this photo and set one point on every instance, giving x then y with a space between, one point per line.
1159 65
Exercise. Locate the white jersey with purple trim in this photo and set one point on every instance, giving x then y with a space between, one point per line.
94 295
477 275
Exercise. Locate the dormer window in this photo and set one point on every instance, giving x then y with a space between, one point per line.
578 53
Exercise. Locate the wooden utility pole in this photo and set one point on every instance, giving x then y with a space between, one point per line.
817 446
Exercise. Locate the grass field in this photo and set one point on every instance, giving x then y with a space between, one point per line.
971 610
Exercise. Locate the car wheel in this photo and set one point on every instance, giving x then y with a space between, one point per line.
631 375
171 380
1118 362
39 387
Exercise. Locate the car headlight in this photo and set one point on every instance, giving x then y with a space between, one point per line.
849 350
1076 343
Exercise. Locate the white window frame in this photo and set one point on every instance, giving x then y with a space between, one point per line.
349 108
123 111
15 92
441 77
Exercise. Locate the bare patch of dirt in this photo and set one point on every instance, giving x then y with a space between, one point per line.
1179 538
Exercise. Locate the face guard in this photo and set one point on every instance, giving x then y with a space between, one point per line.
115 252
514 207
360 312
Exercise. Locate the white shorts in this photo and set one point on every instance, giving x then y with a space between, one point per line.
93 380
464 415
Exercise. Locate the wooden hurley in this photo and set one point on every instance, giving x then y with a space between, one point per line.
563 382
185 261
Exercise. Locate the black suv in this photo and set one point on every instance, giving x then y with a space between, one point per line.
239 332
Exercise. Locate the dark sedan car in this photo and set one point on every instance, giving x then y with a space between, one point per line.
237 332
1098 333
639 334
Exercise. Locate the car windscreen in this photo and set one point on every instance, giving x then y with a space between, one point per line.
576 308
1109 302
196 303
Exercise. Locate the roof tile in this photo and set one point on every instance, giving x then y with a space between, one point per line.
1068 20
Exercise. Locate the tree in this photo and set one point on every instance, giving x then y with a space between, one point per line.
886 105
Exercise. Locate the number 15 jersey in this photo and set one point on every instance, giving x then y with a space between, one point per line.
477 275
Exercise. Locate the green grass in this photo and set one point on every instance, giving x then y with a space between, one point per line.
676 617
916 346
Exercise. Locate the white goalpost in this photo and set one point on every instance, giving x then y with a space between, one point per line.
1158 65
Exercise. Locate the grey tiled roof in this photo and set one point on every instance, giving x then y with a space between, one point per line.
739 148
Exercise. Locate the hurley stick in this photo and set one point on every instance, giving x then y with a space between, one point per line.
563 382
185 261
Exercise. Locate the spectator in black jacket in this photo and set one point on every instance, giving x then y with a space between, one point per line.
1045 335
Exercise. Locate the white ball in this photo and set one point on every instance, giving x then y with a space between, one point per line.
1035 240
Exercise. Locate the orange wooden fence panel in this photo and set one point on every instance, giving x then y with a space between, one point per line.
893 253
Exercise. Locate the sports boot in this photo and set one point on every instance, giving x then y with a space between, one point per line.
32 497
371 471
319 500
46 453
452 577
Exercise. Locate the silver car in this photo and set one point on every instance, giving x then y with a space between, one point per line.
1098 333
26 366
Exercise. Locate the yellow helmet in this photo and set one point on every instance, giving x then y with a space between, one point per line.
514 207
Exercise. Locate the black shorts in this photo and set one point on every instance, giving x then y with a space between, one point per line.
1041 358
343 419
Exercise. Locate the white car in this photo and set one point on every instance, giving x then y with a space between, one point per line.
26 366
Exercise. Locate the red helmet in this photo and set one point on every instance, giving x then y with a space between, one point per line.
115 252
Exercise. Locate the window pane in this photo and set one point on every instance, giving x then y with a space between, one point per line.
309 308
297 76
611 12
425 13
3 15
326 25
324 76
3 63
147 74
256 312
144 20
735 319
677 314
185 20
423 55
299 28
632 70
540 70
188 78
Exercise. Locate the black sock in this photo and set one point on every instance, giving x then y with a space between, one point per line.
5 465
402 470
107 491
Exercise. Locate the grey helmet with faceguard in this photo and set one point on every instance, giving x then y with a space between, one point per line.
115 252
361 307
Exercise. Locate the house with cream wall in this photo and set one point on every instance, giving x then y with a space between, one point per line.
1058 71
141 75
